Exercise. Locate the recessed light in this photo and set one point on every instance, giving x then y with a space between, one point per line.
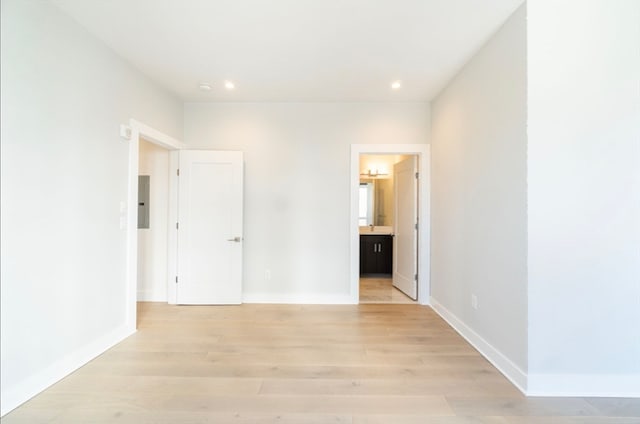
204 86
229 85
396 85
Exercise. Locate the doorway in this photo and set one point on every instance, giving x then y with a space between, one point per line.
134 132
388 238
421 153
153 226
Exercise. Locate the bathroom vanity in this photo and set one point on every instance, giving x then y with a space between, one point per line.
376 250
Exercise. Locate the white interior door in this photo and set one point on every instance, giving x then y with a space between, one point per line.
405 242
209 228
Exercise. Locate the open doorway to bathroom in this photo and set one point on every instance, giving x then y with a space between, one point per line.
387 218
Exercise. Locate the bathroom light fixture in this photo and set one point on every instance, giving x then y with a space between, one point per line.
204 86
396 85
229 85
373 173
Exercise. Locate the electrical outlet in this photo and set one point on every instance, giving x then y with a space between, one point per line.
267 274
474 301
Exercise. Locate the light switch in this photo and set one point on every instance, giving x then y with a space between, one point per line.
125 132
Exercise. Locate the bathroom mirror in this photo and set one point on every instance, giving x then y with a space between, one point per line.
375 201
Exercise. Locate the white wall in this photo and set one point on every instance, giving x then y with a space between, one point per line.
479 217
297 185
584 197
64 173
152 241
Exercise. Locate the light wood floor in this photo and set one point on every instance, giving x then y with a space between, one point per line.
381 290
396 364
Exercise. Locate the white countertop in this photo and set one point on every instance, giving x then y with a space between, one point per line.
378 230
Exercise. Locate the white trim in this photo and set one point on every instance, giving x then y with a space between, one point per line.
138 130
132 229
584 385
424 208
155 136
298 298
172 242
12 397
509 369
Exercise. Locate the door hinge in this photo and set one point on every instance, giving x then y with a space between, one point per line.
416 277
178 172
417 175
177 225
176 279
416 225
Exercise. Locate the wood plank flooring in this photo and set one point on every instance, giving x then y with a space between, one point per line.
364 364
381 290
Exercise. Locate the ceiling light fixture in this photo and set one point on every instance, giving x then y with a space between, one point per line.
204 86
229 85
396 85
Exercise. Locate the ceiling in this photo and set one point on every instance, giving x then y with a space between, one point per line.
295 50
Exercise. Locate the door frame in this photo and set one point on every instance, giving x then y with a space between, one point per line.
140 130
424 209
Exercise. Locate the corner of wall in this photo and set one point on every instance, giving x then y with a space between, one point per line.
509 369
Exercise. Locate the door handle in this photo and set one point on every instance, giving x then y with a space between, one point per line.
235 239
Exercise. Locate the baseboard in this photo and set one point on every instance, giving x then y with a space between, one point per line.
151 296
298 298
581 385
12 397
493 355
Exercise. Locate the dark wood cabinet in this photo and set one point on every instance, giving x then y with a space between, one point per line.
376 254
